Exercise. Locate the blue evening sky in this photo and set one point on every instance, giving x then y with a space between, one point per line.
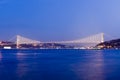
47 20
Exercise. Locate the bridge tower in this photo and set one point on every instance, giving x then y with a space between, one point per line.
17 41
102 37
23 40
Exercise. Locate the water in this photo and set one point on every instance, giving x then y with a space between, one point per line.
59 64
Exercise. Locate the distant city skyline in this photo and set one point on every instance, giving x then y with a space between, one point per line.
47 20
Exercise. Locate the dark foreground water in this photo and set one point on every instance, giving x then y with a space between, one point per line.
59 64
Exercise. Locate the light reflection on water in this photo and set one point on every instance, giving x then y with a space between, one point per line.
60 65
0 56
21 69
91 68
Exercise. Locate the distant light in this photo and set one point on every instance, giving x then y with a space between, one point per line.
7 47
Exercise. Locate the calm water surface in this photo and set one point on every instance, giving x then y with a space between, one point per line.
59 64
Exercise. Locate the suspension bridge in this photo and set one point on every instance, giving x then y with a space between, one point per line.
93 39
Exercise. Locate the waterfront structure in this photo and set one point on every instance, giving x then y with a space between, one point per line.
87 42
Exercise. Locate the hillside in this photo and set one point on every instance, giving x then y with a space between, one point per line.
112 44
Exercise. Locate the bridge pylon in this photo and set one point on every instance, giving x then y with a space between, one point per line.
102 37
22 40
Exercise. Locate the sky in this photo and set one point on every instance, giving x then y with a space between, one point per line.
56 20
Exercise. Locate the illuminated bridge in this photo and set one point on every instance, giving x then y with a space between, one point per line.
93 39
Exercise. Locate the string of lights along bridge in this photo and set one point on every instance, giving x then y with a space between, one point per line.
94 39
